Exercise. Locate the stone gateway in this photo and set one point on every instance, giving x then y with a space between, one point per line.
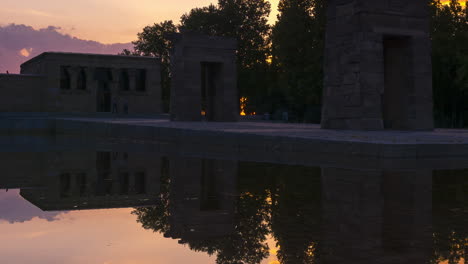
204 78
378 71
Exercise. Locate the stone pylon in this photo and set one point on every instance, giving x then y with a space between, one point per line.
378 72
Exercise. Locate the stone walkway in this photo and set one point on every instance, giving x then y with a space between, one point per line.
305 131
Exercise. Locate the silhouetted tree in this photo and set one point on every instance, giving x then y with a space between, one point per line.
206 20
297 48
449 32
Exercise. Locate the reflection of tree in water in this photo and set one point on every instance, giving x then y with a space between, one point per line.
295 219
156 218
450 216
283 200
286 201
247 241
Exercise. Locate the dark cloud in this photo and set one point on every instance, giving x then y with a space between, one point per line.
14 209
14 38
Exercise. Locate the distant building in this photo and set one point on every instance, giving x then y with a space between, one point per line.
83 83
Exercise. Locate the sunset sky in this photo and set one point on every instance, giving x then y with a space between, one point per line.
106 21
30 27
110 236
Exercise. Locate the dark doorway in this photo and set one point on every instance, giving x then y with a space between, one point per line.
209 194
211 84
398 72
103 169
103 93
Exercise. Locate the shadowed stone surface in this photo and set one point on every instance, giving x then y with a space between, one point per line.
259 141
377 65
204 78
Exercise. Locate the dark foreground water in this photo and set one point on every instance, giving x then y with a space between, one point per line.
139 207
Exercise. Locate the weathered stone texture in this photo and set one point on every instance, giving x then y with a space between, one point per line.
21 93
39 87
204 69
377 65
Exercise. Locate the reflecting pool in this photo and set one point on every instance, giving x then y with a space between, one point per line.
124 205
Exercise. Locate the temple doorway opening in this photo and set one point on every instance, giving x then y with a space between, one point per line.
211 73
397 82
103 77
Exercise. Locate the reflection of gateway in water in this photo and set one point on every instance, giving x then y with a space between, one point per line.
202 198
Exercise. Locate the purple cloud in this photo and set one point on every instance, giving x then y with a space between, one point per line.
15 40
14 208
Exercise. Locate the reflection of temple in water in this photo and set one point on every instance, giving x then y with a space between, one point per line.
92 180
376 216
202 198
317 215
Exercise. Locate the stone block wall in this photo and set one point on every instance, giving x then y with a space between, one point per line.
79 100
193 56
21 93
361 62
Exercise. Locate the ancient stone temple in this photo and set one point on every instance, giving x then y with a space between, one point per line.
378 65
204 78
61 82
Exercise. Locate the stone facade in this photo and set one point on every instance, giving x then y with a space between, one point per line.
378 65
21 92
204 78
84 83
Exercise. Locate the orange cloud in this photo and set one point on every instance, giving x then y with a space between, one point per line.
25 52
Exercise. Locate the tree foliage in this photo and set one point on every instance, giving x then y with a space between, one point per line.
297 49
449 33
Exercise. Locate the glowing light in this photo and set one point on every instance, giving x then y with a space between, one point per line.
243 106
25 52
446 2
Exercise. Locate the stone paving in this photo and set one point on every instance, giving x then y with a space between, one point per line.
258 141
305 131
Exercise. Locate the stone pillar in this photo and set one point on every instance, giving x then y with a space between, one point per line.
115 81
91 85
